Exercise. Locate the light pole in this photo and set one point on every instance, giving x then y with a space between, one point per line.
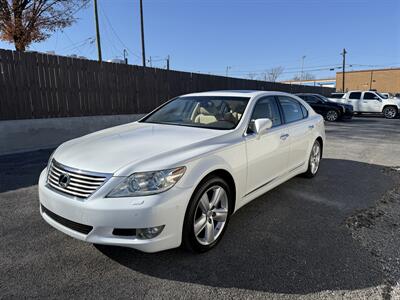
302 67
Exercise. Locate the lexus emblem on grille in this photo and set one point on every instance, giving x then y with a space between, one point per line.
63 180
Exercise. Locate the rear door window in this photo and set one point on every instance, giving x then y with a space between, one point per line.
355 95
292 110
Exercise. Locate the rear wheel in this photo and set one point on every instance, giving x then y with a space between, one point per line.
314 160
390 112
332 115
207 215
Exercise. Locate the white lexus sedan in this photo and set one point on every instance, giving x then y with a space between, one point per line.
177 175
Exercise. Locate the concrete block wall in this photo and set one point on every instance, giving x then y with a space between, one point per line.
33 134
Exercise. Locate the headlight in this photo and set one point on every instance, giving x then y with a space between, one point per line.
147 183
50 159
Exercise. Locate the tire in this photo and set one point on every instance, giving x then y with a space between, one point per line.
332 115
390 112
314 160
204 226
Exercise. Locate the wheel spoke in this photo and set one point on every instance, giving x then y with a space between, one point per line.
209 235
220 214
199 224
204 203
217 196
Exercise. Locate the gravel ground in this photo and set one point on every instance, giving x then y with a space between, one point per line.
333 237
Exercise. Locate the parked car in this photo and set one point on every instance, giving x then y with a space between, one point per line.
331 111
336 95
388 95
178 174
371 102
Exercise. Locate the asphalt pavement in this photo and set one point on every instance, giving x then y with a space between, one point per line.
334 236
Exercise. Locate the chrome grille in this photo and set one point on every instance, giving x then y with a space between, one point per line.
74 182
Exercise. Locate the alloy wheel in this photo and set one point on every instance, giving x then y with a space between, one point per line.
332 115
211 215
315 158
390 112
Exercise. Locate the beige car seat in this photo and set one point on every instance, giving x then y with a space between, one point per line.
205 116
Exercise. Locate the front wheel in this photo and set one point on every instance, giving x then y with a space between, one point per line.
390 112
314 160
332 115
207 215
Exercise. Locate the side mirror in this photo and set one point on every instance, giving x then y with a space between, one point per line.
261 126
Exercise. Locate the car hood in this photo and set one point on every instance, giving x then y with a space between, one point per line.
335 104
394 101
111 149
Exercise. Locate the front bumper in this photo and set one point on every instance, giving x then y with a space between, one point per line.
348 113
106 214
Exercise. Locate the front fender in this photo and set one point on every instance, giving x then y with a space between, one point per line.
232 160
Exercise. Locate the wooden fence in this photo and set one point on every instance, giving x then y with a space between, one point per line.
35 85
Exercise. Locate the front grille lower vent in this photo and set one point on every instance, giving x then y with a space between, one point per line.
82 228
74 182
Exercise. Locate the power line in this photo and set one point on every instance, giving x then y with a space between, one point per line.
110 45
116 34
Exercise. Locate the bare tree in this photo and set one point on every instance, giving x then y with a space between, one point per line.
23 22
304 76
274 73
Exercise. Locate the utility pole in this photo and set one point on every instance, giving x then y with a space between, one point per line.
227 70
370 80
168 62
344 71
142 31
125 56
96 17
302 67
150 62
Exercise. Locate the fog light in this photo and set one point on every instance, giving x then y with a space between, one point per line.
149 233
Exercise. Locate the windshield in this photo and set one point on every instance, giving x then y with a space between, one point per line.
382 96
219 112
323 98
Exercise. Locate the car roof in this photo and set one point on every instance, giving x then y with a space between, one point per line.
236 93
307 94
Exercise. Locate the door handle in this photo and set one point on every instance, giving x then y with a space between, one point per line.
284 136
310 126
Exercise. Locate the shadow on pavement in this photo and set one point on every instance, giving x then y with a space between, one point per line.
290 240
22 169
